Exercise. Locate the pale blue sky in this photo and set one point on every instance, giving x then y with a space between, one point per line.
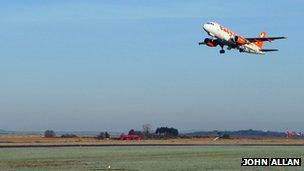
115 65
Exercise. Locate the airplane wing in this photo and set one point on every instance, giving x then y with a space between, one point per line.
259 39
269 50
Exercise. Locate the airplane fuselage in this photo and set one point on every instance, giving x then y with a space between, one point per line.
227 37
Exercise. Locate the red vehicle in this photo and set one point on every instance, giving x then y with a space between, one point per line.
129 137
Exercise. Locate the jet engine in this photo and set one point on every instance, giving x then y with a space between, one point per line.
239 40
210 42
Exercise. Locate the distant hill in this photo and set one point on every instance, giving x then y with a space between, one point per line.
2 131
79 133
240 133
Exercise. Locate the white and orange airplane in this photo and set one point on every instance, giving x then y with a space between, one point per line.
224 37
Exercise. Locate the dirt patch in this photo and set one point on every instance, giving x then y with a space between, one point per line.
19 140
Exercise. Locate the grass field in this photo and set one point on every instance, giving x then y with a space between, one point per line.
142 158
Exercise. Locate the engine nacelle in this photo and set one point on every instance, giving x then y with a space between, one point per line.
239 40
210 42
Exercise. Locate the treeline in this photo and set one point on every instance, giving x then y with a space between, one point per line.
145 133
170 132
240 133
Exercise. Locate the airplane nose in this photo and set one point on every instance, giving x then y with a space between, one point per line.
205 27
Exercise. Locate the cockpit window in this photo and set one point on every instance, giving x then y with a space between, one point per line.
210 23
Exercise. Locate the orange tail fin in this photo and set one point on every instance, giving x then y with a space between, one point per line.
260 43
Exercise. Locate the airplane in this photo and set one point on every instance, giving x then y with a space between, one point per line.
222 36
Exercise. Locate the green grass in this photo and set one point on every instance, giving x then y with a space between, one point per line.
141 158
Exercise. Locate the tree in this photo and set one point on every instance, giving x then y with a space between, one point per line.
107 135
146 130
166 132
49 134
103 135
132 132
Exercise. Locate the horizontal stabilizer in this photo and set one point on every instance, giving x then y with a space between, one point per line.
269 50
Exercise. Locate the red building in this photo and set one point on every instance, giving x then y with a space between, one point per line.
129 137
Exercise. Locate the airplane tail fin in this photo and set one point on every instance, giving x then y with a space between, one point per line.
260 43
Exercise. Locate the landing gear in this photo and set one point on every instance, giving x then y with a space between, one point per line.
222 51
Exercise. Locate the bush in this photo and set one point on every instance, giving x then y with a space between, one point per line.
103 135
68 136
225 136
49 134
